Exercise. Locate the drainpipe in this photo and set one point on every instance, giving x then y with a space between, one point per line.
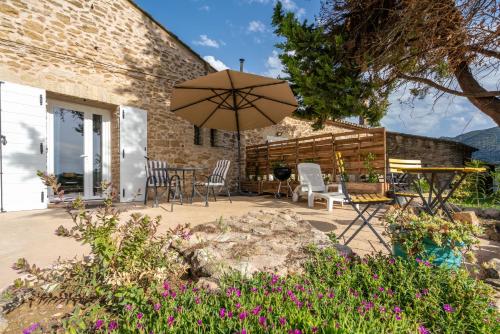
3 141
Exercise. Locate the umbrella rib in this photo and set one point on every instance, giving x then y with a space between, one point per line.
213 112
246 94
264 85
199 101
257 108
271 99
247 104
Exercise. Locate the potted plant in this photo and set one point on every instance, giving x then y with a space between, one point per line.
281 171
431 239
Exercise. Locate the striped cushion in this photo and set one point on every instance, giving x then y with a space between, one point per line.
156 177
220 172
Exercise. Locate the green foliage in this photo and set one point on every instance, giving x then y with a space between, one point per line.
328 87
372 176
126 259
336 294
474 190
410 230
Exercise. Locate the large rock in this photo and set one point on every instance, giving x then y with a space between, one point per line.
466 216
259 241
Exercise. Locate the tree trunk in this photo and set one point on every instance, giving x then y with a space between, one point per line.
488 105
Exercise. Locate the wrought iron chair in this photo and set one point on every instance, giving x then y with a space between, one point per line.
400 186
156 177
216 180
356 200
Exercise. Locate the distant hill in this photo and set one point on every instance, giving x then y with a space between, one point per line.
487 141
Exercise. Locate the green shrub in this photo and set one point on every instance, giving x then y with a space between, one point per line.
126 260
410 231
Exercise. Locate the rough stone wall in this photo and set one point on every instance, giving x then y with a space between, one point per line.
290 128
432 151
108 51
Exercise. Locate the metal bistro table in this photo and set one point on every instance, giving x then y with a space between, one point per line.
185 170
437 184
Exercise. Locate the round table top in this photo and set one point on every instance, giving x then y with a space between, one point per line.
442 169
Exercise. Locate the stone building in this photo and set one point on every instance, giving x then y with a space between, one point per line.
432 151
86 95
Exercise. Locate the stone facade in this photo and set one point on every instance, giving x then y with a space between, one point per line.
432 151
113 53
292 127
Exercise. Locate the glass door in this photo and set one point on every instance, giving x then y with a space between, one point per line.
78 148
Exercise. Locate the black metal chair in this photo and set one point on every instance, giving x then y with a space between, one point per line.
216 180
157 176
356 200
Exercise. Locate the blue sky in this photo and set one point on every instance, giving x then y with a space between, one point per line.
222 31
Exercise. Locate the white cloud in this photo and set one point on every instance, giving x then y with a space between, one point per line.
288 5
216 63
256 26
274 65
205 8
449 116
206 41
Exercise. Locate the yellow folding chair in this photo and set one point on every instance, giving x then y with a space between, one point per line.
398 181
356 201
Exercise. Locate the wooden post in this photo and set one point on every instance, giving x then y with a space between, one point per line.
296 159
267 161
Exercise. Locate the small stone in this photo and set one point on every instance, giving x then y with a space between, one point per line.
492 269
491 213
466 216
205 283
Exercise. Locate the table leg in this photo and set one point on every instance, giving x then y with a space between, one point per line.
192 186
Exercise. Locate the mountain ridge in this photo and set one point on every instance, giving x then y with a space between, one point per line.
487 142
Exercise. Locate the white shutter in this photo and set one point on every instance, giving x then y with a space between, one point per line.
24 125
133 149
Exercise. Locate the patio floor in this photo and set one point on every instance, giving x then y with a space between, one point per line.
30 234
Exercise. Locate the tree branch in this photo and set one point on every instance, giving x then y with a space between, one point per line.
486 52
446 89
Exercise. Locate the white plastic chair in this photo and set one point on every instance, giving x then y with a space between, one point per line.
312 184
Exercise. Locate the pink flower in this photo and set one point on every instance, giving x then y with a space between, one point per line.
222 313
128 307
397 309
375 276
448 308
156 306
238 305
229 314
398 317
418 295
392 261
170 321
199 322
113 325
99 323
140 315
262 321
314 329
423 330
381 289
243 331
243 315
256 310
282 321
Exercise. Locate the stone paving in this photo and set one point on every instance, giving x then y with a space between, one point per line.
30 234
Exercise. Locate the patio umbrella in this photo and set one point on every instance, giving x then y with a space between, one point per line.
233 101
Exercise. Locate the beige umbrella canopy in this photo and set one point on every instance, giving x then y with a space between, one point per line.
233 101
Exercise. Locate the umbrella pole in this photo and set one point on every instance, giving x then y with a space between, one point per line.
239 161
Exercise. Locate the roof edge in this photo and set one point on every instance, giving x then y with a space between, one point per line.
474 149
149 16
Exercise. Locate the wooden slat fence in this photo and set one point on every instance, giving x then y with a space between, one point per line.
320 149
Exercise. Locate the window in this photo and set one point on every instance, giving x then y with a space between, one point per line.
197 136
213 137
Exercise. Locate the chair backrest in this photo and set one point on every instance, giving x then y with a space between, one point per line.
154 175
342 173
396 164
310 173
220 171
397 179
